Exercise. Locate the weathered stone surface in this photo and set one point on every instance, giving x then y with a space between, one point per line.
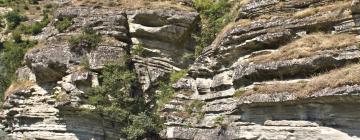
103 55
50 63
39 113
159 33
224 71
51 108
257 132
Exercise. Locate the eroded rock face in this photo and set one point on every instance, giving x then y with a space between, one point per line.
159 33
210 103
57 76
213 102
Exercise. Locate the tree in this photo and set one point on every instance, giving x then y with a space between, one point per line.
115 99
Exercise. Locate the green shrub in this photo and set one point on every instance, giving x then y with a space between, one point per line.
34 28
175 76
138 50
89 39
34 1
239 93
11 56
198 50
219 120
48 6
63 24
214 16
195 106
13 19
16 36
187 58
115 99
164 94
84 62
142 125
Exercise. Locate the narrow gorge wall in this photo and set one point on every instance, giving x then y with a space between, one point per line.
283 70
48 100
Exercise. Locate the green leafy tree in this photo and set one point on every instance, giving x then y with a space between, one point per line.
115 99
11 56
142 125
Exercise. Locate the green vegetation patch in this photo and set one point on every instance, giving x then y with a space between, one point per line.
63 23
14 19
214 16
116 99
219 120
239 93
164 94
35 28
89 39
138 49
175 76
195 107
11 55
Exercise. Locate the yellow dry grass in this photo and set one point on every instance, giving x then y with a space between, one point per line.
243 2
308 45
339 5
134 4
222 34
348 75
16 86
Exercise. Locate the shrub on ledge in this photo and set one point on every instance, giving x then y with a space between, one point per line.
89 39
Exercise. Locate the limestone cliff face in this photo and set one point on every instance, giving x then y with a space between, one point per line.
282 70
49 103
275 73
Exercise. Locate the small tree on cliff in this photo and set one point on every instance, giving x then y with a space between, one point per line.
115 99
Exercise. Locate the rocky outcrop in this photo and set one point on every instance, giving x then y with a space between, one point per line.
48 100
247 84
263 77
158 33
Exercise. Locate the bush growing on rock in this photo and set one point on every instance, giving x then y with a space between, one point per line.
175 76
89 39
138 50
142 125
115 99
219 120
187 58
34 28
63 24
13 19
164 94
214 15
11 56
195 107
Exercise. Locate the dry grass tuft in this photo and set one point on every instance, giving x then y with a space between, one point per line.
16 86
348 75
134 4
308 45
339 5
222 34
244 2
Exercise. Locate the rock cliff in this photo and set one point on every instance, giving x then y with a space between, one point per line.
47 100
282 70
